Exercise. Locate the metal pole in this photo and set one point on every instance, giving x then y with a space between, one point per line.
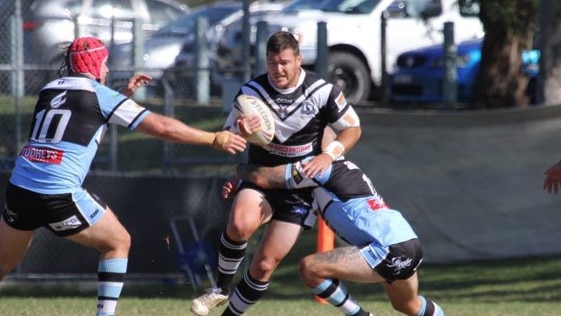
260 47
17 41
544 15
138 44
383 44
246 32
450 73
321 59
202 78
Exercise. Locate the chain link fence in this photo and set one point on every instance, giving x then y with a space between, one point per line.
125 159
26 65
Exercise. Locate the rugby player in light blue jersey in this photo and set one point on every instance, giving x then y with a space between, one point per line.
45 187
383 246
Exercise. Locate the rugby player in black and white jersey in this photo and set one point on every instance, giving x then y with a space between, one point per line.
303 105
45 187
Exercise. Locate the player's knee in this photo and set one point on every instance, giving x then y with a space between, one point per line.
120 242
307 270
125 241
241 230
264 268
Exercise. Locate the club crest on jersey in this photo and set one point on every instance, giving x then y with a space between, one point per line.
283 112
307 108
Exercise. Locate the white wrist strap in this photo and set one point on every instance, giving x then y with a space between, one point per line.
335 150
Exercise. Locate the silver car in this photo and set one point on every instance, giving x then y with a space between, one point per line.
159 50
50 25
224 44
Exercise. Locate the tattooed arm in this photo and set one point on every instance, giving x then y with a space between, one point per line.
265 177
288 176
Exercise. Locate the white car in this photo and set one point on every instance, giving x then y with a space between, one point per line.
354 34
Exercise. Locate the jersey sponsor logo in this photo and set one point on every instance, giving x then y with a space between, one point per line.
376 204
45 155
289 151
296 176
94 213
284 101
70 223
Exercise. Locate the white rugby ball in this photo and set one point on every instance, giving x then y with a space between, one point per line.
251 105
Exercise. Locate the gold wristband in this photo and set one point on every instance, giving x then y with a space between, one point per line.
208 138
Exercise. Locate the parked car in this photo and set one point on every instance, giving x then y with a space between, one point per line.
419 74
160 49
50 25
224 46
354 42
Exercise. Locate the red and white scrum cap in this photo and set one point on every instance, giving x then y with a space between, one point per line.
87 54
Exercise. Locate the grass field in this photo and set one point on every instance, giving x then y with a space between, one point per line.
530 286
524 287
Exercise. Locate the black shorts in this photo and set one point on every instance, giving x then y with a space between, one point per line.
293 206
402 261
64 214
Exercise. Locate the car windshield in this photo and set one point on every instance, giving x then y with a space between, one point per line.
186 24
341 6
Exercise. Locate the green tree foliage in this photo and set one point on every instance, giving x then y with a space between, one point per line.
509 29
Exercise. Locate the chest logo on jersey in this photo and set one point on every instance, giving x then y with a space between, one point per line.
290 151
45 155
288 106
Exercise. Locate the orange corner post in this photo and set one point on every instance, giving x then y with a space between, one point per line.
325 242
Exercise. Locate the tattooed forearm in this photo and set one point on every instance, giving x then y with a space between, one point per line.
265 177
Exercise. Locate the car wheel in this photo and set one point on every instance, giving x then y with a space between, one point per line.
351 74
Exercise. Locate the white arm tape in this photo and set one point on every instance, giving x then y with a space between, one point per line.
334 149
349 119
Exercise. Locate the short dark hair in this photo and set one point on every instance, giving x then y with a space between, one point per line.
282 40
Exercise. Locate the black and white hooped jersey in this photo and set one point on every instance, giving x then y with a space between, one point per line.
301 115
69 122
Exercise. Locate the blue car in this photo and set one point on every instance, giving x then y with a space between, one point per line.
419 73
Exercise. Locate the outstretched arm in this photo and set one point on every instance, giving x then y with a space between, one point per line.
171 129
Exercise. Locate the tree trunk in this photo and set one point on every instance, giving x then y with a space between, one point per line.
549 84
509 27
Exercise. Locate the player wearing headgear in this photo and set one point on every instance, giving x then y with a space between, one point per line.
383 248
45 188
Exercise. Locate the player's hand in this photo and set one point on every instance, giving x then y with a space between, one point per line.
552 182
248 125
230 142
229 188
316 166
135 82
